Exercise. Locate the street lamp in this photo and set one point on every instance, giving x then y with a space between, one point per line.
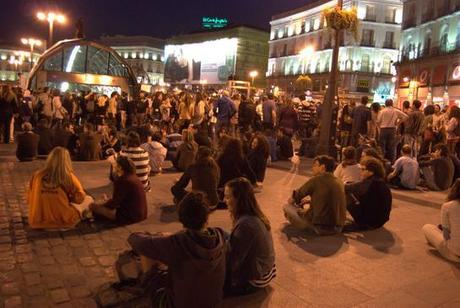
253 74
51 17
31 42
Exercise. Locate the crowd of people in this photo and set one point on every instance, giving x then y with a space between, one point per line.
222 145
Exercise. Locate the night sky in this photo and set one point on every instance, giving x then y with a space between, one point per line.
134 17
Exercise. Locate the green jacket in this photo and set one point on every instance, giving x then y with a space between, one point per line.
328 204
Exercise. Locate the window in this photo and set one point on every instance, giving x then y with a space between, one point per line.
389 39
97 61
75 59
386 67
368 38
365 63
54 63
444 42
370 13
391 15
457 40
116 68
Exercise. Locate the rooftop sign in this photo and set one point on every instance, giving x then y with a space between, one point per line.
213 22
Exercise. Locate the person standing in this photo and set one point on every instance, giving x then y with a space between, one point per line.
269 112
8 107
388 119
224 110
112 108
413 128
361 117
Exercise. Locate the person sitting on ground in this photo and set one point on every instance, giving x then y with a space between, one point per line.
251 257
445 238
204 174
157 152
139 156
327 209
186 152
55 197
65 137
195 256
369 200
348 170
110 140
233 164
90 144
406 173
257 156
128 204
284 149
200 135
437 169
375 153
46 143
27 143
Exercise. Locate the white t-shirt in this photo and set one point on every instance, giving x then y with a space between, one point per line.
348 174
450 218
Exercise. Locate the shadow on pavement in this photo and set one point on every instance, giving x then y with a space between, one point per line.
168 213
321 246
380 239
258 299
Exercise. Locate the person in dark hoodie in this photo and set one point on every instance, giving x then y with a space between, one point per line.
259 150
27 143
186 152
204 174
195 256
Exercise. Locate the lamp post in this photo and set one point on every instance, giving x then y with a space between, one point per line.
327 132
32 43
51 17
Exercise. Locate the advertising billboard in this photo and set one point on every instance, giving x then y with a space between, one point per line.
210 62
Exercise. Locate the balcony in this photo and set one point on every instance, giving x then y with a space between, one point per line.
370 17
432 52
389 45
390 20
367 43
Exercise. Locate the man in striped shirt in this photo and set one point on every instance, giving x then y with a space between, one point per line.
140 158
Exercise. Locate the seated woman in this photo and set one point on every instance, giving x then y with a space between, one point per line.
129 203
233 164
259 151
251 256
157 152
90 144
56 198
46 141
140 158
186 152
446 236
110 141
27 143
195 256
348 170
204 174
369 200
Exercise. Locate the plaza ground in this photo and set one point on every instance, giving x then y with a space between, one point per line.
389 267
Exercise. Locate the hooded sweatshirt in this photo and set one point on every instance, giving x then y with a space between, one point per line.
195 260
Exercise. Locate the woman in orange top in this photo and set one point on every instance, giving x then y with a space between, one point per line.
56 198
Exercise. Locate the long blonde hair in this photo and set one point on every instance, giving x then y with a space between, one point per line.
58 169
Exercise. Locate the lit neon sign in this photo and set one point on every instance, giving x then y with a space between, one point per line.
213 22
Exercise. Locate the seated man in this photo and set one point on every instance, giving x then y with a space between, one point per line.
437 169
27 143
195 256
369 199
204 174
284 149
157 152
65 137
46 143
326 211
405 173
129 203
90 144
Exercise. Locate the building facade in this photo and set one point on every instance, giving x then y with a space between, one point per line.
300 44
144 54
15 62
214 57
429 61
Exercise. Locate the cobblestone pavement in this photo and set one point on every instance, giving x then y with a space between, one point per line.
388 267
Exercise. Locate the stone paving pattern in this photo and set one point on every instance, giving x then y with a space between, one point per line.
389 267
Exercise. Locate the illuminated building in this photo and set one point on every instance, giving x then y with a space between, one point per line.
15 60
300 44
80 64
213 57
143 53
429 62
